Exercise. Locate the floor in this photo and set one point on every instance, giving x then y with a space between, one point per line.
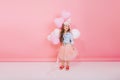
50 71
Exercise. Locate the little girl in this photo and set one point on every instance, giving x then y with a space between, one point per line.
66 52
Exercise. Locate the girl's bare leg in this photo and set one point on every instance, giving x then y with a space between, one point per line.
67 63
62 62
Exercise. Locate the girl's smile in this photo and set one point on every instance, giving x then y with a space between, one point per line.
66 27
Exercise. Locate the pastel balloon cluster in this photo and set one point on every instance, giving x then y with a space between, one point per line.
65 18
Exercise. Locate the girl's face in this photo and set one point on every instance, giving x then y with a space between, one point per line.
66 27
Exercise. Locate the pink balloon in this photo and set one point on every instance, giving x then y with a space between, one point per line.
59 22
66 14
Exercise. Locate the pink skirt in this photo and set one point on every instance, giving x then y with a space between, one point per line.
67 52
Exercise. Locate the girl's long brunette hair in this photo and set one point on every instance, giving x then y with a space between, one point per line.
62 32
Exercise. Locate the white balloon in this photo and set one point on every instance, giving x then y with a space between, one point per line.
55 41
54 36
76 33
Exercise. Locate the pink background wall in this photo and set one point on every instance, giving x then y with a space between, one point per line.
25 24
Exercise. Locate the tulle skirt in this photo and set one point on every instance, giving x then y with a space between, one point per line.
67 52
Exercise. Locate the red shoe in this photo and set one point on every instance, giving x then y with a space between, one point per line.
61 67
67 67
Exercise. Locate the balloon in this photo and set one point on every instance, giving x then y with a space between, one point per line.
65 14
54 36
55 41
76 33
56 31
59 22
